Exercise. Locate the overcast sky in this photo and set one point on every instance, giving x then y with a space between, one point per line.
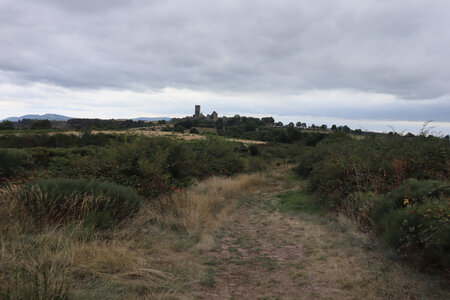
368 63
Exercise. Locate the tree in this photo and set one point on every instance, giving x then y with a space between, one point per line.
291 125
300 125
280 124
42 124
324 127
334 127
268 121
6 125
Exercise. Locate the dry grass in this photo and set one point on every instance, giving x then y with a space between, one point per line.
157 132
152 255
202 208
342 262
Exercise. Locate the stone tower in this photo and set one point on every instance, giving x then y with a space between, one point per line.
197 111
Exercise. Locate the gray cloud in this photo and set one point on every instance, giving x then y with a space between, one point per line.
284 47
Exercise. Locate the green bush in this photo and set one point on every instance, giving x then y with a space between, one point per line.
214 156
338 167
414 219
179 129
6 125
30 140
12 161
42 124
390 183
194 130
61 200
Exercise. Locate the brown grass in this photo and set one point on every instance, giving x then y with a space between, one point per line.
157 132
202 208
343 262
153 255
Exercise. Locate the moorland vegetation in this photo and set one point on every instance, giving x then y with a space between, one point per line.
68 188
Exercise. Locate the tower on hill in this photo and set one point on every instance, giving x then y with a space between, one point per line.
197 111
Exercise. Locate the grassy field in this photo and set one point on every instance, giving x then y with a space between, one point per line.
153 253
157 215
138 131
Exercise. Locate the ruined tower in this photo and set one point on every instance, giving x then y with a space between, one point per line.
197 111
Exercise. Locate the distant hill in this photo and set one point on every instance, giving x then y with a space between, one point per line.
152 119
51 117
55 117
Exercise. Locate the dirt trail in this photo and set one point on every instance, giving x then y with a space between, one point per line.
263 253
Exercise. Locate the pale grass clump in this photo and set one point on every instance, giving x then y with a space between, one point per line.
355 264
143 257
202 208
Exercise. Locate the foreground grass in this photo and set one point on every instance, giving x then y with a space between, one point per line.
251 236
153 254
282 246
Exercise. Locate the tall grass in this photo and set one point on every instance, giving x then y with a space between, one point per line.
204 206
61 200
141 258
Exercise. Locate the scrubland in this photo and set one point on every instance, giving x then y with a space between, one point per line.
112 215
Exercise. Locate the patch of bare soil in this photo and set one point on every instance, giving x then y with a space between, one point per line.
262 253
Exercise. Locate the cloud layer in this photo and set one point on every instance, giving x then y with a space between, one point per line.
393 55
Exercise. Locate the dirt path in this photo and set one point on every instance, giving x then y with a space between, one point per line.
263 253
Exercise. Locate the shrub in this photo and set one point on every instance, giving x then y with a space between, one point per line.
179 129
6 125
214 156
338 167
413 219
12 161
254 150
194 130
42 124
98 204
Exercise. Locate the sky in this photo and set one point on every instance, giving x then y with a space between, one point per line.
372 64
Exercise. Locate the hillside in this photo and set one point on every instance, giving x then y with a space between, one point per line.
51 117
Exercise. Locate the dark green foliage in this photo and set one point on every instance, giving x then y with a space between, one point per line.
393 182
214 156
179 129
414 219
61 200
339 166
6 125
151 165
58 140
42 124
194 130
12 161
107 124
253 149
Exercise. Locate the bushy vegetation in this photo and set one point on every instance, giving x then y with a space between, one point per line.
61 200
6 125
250 128
42 124
414 218
13 161
151 165
393 184
58 140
